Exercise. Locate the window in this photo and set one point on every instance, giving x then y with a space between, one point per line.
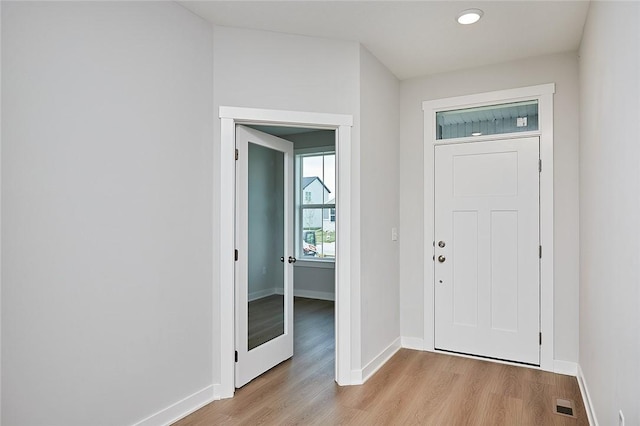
315 205
487 120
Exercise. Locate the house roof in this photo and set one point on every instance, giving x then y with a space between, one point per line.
306 181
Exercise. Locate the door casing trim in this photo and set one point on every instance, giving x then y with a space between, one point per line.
544 94
347 294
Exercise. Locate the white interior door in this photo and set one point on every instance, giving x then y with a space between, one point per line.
487 280
264 240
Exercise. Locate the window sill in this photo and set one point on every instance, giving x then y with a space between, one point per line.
326 264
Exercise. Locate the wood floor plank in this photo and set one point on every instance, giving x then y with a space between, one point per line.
412 388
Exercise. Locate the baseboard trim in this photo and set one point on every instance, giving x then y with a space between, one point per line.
380 360
586 398
414 343
180 409
356 377
260 294
312 294
309 294
565 367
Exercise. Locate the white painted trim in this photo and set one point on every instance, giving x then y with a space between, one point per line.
567 368
227 261
312 294
347 247
347 287
380 360
180 409
544 94
216 392
489 98
284 118
361 376
586 398
261 294
355 378
414 343
309 294
324 264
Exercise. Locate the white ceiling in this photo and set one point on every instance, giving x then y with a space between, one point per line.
414 38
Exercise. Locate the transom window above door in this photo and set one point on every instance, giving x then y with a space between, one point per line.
515 117
316 204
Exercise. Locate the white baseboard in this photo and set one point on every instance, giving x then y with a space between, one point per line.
309 294
180 409
586 398
358 377
259 294
565 367
312 294
414 343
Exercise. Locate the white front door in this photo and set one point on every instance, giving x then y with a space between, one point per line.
487 279
264 241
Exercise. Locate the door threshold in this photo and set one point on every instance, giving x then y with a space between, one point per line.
488 358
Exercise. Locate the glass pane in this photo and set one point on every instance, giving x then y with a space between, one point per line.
487 120
319 233
311 232
318 179
266 245
329 178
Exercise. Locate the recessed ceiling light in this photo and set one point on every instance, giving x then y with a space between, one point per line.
470 16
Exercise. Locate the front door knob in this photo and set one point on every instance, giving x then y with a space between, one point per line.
441 258
292 259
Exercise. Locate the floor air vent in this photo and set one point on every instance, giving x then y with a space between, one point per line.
564 407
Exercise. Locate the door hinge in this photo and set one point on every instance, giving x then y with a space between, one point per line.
235 254
539 165
539 335
540 252
236 356
236 154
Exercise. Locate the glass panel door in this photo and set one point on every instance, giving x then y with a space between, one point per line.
264 263
266 244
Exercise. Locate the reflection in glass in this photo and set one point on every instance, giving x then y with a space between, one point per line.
266 245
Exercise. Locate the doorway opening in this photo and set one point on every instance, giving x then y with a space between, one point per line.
346 296
286 233
465 121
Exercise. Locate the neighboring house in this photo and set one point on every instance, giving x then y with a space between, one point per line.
314 191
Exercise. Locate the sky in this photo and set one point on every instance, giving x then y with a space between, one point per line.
313 166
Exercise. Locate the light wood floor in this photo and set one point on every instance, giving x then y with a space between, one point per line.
413 388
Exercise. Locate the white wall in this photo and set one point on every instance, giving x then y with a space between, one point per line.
379 102
609 210
106 210
561 69
278 71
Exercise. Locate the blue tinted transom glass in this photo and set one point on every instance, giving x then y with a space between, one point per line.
487 120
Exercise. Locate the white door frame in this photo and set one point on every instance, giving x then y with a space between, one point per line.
544 94
346 294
